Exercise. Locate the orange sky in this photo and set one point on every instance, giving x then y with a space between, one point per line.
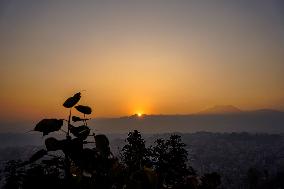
155 58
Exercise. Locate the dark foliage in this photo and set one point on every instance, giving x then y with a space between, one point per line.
72 101
134 154
81 132
170 161
39 154
75 119
164 165
47 126
84 109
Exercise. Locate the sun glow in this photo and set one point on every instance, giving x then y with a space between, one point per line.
139 114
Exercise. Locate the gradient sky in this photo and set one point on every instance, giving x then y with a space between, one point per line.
154 57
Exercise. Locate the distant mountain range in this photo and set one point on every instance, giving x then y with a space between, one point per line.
216 119
226 109
226 118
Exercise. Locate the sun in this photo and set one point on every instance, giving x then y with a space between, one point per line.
139 114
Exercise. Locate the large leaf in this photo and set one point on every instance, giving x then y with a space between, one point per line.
47 126
84 109
70 147
75 119
52 144
39 154
81 132
72 101
73 148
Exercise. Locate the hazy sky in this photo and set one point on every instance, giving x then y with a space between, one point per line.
155 57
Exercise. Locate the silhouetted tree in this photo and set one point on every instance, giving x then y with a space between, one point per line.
136 157
134 154
161 160
170 162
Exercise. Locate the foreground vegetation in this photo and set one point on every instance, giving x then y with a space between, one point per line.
83 159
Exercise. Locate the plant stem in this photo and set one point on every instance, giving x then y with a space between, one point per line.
85 121
69 120
67 160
